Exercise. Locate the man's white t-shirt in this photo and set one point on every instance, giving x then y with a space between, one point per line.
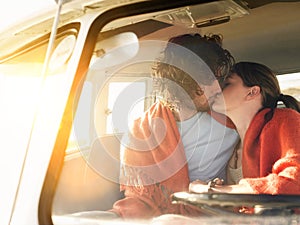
208 146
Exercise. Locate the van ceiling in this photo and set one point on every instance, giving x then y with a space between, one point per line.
270 34
257 3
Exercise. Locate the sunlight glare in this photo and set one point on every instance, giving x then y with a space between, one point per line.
14 11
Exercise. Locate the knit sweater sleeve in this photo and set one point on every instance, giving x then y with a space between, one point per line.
284 177
153 167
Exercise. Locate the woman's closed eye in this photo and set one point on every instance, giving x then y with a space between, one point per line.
225 84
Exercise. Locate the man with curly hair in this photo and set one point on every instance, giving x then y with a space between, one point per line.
178 139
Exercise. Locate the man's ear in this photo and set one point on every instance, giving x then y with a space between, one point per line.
199 91
253 92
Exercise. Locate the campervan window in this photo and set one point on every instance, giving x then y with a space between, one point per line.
290 84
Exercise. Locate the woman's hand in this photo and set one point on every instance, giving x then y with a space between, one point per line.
202 187
198 186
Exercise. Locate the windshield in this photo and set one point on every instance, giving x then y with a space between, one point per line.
66 112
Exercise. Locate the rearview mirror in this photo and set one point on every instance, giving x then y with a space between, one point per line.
115 50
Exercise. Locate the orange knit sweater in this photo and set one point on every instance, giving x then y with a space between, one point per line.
271 153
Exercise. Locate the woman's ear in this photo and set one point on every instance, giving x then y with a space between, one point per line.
253 92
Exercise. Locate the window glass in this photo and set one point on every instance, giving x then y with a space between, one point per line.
18 98
290 84
120 94
32 100
26 101
80 133
115 91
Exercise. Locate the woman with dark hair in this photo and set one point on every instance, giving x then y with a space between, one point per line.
267 160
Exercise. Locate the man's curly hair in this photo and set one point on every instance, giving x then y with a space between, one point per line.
170 79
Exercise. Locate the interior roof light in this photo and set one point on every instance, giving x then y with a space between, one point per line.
205 14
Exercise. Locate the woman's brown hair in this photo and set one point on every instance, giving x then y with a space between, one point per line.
256 74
